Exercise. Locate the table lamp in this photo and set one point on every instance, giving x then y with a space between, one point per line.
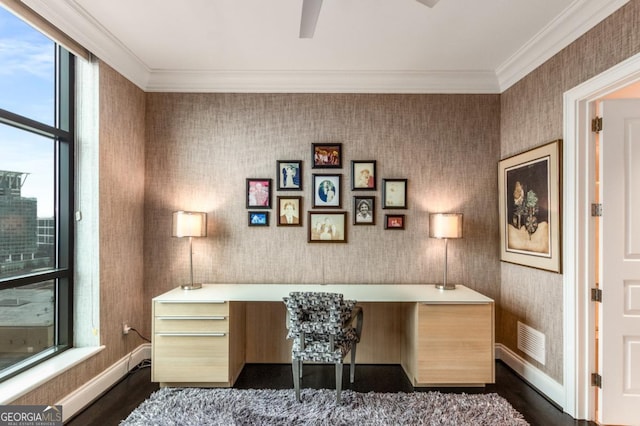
189 224
445 226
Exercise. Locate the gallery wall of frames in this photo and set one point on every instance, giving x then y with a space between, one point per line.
332 207
321 188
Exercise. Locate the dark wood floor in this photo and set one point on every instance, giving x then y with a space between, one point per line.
124 397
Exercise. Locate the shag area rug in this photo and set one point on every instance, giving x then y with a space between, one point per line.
192 406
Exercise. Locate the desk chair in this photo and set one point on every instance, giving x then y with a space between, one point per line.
321 326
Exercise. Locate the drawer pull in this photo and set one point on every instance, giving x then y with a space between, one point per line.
214 317
192 334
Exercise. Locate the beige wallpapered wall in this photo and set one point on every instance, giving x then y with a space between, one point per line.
531 115
122 176
202 147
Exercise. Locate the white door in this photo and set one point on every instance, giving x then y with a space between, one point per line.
619 343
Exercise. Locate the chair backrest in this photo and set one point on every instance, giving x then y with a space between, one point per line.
317 312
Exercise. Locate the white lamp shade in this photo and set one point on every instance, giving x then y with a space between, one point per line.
445 225
189 224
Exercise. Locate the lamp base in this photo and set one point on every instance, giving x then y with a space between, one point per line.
446 286
190 286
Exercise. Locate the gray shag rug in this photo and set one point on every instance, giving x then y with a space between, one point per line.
192 406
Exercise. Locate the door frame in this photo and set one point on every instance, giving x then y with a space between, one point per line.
578 233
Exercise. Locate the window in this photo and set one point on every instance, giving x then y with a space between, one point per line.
36 196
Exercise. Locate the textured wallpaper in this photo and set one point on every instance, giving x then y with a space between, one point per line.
122 176
531 115
202 147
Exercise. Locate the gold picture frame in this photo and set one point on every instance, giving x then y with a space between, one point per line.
529 198
289 211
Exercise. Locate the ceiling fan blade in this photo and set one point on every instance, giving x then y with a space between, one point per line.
429 3
310 12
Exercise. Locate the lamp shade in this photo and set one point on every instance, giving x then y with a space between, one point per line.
189 224
445 225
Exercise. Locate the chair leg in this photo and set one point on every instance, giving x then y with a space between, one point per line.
295 366
338 381
352 368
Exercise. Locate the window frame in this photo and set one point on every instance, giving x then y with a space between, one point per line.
62 135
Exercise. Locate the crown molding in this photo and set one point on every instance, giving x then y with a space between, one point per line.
573 22
282 81
78 24
578 18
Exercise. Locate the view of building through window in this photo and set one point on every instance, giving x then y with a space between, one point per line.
27 229
30 191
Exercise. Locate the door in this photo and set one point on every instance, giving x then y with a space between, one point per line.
619 322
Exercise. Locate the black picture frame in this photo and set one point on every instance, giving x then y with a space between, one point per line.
363 175
326 155
394 193
289 174
327 191
258 195
394 221
260 218
364 210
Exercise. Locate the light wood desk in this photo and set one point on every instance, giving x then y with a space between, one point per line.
204 337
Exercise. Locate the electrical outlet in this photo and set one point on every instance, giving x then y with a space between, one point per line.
125 328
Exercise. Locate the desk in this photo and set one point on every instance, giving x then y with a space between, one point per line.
440 337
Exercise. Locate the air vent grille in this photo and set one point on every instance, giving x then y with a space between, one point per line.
531 342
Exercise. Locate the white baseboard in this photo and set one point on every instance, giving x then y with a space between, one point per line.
90 391
530 373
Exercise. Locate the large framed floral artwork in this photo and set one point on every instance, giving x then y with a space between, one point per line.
529 207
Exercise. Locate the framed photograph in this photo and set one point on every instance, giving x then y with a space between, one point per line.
394 221
258 218
364 210
529 203
258 193
289 210
327 191
290 175
327 227
326 155
363 175
394 193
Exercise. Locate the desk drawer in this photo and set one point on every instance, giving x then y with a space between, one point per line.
191 309
455 344
191 324
190 358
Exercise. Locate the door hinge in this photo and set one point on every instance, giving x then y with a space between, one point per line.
596 209
596 125
596 380
596 295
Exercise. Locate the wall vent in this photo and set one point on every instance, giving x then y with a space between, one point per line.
531 342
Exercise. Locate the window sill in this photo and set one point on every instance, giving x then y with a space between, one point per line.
23 383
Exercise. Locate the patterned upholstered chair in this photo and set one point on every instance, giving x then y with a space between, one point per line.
323 331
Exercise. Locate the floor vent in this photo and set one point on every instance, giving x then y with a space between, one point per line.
531 342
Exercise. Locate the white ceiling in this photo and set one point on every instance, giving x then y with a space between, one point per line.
383 46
